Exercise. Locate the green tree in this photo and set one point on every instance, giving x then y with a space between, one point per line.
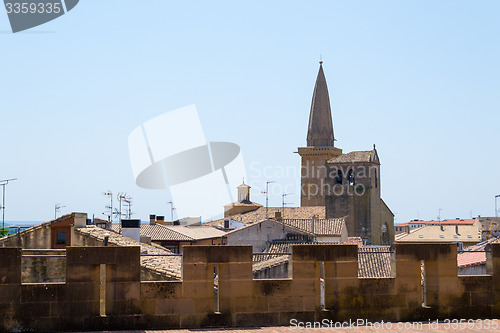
4 232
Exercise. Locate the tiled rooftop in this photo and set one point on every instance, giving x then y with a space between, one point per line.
469 258
169 266
373 261
354 157
288 213
157 232
179 233
441 233
323 227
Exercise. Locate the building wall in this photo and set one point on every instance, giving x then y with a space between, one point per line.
43 269
313 173
259 235
244 301
361 202
44 236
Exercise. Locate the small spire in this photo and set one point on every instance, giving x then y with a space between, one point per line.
374 147
244 177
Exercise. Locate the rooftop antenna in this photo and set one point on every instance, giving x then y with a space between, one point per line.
110 207
121 197
283 203
128 206
267 195
439 214
57 207
4 183
171 210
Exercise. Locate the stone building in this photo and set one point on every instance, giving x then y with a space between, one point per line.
345 184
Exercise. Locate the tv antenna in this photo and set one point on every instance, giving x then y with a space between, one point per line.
267 194
57 207
283 203
4 183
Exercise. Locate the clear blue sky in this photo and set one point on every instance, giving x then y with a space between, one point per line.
420 79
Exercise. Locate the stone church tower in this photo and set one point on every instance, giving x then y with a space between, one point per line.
320 145
345 184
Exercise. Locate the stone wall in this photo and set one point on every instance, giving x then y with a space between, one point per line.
128 303
45 268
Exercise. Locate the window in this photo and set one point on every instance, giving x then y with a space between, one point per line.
441 236
376 179
61 238
351 177
469 236
339 177
420 236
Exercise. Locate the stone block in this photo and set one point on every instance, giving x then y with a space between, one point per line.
161 290
324 252
341 269
288 304
82 291
197 272
285 317
82 273
377 286
43 292
71 308
122 291
305 270
11 257
217 254
10 294
305 287
123 273
10 276
256 319
477 283
228 289
273 287
426 251
235 271
197 289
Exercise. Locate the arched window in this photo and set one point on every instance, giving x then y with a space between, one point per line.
376 179
350 176
339 177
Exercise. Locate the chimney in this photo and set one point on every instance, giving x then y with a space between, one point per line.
277 216
226 224
152 219
131 229
160 220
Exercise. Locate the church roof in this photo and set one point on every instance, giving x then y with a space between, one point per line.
320 131
356 157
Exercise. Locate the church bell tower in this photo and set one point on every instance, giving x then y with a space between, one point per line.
320 146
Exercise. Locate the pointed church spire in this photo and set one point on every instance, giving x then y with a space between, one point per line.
320 132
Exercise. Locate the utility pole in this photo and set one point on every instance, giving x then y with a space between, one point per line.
439 214
267 195
4 183
496 211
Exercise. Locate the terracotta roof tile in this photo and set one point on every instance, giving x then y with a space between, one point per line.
158 232
169 266
289 212
354 157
